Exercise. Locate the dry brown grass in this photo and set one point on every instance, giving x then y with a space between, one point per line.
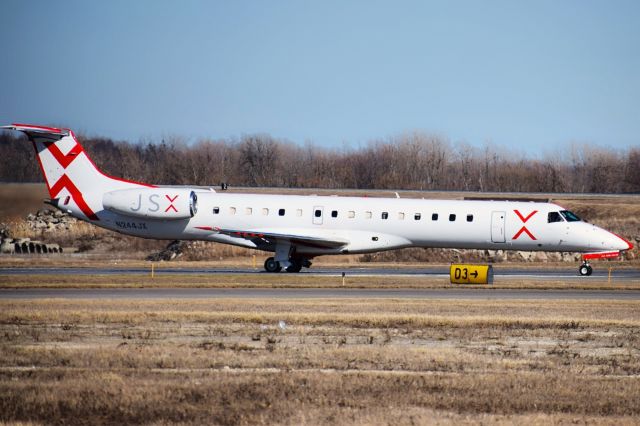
19 199
346 361
187 279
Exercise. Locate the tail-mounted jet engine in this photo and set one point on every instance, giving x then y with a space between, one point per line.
152 203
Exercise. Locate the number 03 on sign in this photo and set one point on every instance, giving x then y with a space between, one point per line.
471 274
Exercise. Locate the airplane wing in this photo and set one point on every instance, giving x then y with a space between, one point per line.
261 238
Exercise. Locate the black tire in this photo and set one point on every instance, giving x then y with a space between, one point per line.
296 265
585 270
271 265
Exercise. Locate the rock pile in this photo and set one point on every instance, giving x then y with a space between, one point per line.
50 220
174 250
531 256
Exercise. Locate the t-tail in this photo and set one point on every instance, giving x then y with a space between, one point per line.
74 182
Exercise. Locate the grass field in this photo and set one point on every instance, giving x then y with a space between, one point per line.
331 361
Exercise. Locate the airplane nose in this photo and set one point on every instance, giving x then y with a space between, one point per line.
616 242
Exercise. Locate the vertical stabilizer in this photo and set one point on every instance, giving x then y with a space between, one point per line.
73 180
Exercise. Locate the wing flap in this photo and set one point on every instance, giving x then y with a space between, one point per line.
295 239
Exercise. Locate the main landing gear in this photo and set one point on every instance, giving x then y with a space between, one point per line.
585 269
270 265
295 264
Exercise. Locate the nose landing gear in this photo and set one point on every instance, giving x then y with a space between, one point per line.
585 269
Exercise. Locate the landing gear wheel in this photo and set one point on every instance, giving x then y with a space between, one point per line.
271 265
585 269
296 265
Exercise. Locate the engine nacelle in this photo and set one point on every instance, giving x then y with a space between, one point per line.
152 203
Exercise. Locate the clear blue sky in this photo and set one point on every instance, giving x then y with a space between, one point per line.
531 74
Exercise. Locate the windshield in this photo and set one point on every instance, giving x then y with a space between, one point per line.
554 217
569 216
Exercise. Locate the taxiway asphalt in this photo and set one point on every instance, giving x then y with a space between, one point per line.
567 273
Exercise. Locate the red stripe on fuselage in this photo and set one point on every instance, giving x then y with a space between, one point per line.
605 255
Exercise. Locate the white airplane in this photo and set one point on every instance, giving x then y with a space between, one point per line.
298 228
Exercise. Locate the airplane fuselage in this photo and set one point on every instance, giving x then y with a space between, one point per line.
372 224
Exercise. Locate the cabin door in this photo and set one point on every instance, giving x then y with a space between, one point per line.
497 227
317 215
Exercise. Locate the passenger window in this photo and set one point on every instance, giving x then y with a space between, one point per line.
317 213
367 215
334 213
248 211
554 217
434 216
452 217
417 216
216 210
351 214
281 212
232 210
469 218
265 212
299 212
385 215
400 215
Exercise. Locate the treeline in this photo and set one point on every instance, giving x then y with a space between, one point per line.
411 161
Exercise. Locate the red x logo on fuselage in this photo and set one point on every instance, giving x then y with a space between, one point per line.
524 229
171 206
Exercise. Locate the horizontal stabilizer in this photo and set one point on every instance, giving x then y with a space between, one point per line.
31 129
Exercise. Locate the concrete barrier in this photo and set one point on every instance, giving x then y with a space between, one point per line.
26 246
7 247
52 248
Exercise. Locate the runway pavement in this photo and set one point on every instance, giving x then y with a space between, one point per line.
569 272
621 275
475 293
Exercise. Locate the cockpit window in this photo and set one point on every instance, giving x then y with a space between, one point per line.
554 217
569 216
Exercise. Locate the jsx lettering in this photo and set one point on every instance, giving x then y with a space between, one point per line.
154 204
524 229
